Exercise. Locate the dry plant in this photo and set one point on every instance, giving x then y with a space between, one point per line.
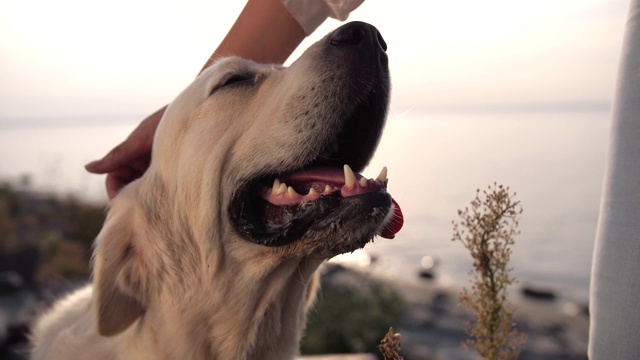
487 229
390 346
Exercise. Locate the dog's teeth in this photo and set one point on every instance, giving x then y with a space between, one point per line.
349 176
383 174
291 192
363 182
312 192
276 186
327 189
281 189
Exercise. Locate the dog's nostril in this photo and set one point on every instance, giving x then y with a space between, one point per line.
350 34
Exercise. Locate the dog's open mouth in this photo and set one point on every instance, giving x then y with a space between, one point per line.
310 185
281 209
290 193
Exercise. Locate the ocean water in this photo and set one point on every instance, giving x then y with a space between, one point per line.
554 161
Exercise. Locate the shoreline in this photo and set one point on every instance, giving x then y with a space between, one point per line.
433 325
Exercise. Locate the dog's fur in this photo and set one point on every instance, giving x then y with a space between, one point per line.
173 277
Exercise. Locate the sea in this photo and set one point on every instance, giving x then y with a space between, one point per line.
553 161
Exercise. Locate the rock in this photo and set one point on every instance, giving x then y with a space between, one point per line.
426 274
538 293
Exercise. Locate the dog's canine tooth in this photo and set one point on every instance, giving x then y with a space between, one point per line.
276 186
383 174
363 182
349 176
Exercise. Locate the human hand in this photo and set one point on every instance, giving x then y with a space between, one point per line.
129 160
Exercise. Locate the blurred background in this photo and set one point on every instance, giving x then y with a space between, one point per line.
513 92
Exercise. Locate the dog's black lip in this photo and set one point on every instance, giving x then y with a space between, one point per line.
301 218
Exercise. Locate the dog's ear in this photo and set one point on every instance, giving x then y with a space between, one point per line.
119 274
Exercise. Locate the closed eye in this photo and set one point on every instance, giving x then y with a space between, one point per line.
232 79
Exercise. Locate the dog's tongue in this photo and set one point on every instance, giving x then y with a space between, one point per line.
395 222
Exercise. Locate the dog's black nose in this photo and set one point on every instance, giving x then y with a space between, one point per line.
356 33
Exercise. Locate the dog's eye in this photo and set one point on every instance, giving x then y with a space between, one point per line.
235 78
232 80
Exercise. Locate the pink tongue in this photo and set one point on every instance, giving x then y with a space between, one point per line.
393 226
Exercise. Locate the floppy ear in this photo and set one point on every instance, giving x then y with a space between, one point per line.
119 274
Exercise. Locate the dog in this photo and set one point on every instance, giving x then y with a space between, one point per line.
253 183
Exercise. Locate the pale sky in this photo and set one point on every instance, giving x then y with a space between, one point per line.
77 57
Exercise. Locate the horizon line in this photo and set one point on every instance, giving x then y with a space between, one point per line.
58 120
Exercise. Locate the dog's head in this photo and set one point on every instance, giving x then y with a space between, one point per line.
277 150
261 159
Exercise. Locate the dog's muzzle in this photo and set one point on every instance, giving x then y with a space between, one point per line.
284 204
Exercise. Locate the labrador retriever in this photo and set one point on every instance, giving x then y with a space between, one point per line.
253 184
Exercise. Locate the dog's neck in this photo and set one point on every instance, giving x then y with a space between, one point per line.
252 311
279 300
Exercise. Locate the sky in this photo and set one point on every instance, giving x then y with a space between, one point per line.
76 57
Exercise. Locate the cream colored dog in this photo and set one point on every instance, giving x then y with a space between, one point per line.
211 254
